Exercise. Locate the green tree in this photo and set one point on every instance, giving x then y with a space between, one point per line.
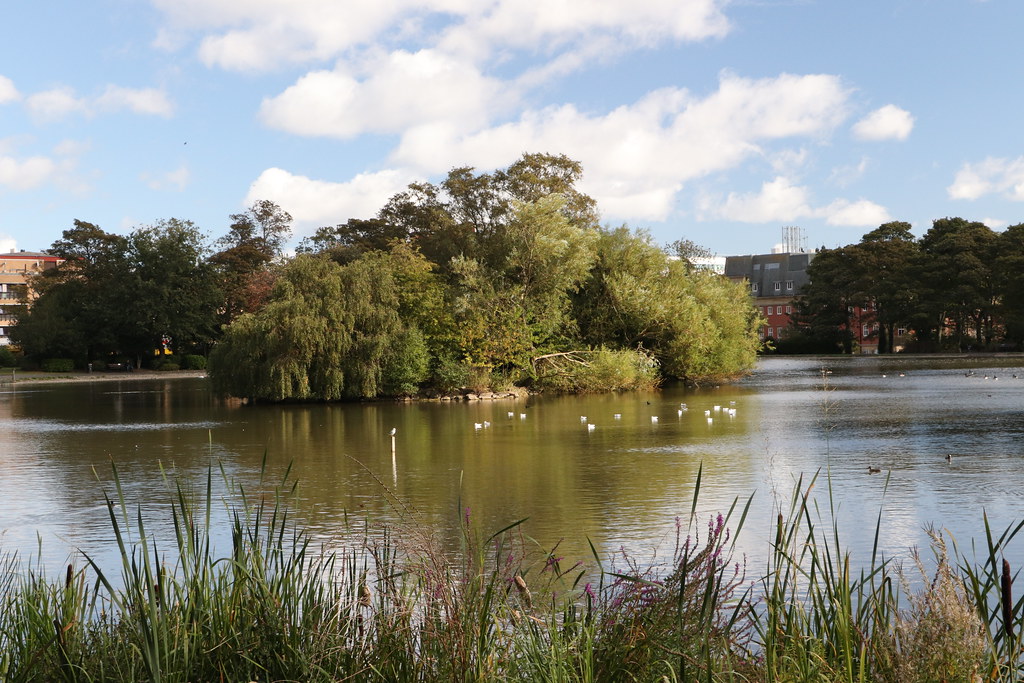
957 284
170 291
1008 270
328 332
887 258
698 325
824 313
122 295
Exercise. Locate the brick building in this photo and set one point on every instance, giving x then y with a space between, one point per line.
775 281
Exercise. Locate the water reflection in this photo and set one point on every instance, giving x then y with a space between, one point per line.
620 484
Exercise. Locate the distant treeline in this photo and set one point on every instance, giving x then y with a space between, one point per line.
485 280
957 288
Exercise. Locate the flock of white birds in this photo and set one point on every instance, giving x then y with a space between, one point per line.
728 411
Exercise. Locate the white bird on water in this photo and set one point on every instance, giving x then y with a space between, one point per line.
617 416
591 427
583 418
654 418
477 425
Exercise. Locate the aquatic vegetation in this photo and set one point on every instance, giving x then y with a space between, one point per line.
392 605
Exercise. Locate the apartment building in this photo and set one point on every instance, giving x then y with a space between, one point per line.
15 270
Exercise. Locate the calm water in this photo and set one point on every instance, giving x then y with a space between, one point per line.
621 484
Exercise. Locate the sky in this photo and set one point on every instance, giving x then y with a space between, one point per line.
716 121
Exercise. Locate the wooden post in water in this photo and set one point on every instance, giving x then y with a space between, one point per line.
394 463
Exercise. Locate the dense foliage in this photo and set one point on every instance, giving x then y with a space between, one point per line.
957 288
122 295
475 282
463 284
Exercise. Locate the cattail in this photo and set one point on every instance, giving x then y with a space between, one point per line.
523 590
1007 599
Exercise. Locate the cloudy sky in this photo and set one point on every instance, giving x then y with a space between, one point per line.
718 121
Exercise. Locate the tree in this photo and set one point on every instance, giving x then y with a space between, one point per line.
698 325
170 289
956 280
253 243
887 257
824 312
328 332
1008 272
122 295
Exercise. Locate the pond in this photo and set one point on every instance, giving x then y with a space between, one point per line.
619 479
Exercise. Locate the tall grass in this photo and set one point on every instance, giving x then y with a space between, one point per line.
392 606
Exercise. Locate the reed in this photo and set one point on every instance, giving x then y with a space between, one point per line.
393 605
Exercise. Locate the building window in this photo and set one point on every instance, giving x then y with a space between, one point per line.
753 288
778 333
789 285
789 309
900 331
778 286
769 310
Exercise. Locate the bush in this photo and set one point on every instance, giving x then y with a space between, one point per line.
450 375
600 370
168 366
57 365
193 362
7 359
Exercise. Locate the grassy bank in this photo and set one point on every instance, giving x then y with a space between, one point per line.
277 607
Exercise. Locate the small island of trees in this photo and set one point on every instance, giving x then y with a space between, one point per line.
487 280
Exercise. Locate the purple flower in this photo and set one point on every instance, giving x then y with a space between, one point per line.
589 591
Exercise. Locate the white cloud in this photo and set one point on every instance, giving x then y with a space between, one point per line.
397 91
55 104
852 214
8 93
780 201
26 174
176 180
314 203
8 244
887 123
51 105
149 101
991 176
263 34
638 156
842 176
995 223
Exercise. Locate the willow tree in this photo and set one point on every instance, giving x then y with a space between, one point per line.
328 332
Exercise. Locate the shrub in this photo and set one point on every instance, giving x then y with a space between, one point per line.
940 634
193 362
7 359
57 365
600 370
450 375
168 366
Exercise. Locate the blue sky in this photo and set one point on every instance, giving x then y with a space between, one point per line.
715 121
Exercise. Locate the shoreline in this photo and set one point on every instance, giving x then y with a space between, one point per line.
16 377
